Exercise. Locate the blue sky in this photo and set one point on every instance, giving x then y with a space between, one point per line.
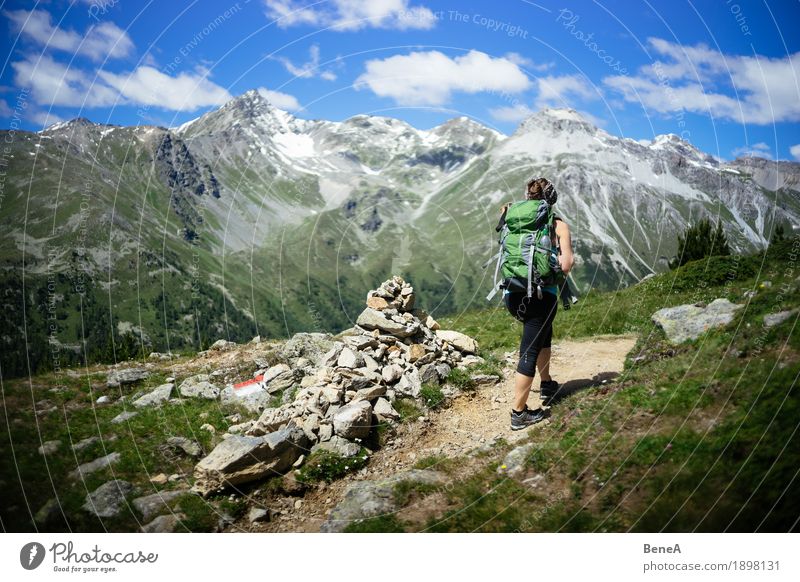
725 75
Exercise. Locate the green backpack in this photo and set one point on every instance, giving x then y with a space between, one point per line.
527 257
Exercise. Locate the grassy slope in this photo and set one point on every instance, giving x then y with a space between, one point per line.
702 436
696 436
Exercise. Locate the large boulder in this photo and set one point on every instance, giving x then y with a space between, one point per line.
280 377
117 378
374 319
353 420
365 499
156 397
199 386
108 499
242 459
458 340
688 322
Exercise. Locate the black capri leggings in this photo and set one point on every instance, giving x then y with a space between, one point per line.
537 317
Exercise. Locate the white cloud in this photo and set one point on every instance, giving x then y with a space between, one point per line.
795 151
309 69
527 63
563 91
149 86
101 41
52 83
44 118
756 150
511 113
757 89
280 100
346 15
5 110
429 78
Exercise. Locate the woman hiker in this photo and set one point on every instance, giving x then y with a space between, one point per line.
536 311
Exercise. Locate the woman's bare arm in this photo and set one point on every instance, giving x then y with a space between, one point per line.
566 258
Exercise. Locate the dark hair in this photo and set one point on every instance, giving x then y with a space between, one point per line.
541 189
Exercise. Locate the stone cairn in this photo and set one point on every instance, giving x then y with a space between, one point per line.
342 393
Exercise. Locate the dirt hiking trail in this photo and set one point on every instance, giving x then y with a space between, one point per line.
473 419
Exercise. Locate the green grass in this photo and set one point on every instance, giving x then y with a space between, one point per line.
432 396
461 379
380 524
328 466
690 437
407 409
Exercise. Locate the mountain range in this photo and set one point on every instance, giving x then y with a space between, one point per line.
249 220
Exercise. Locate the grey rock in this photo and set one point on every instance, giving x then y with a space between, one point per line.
93 466
48 512
117 378
85 443
123 416
392 373
338 445
428 374
190 447
164 523
374 319
151 505
443 370
384 410
253 398
514 463
273 419
371 364
370 393
458 340
330 357
325 432
199 386
49 447
688 322
773 319
365 499
108 499
221 345
280 377
259 515
410 384
350 359
156 397
241 459
103 400
353 420
308 345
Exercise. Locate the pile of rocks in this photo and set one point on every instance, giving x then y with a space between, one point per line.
342 393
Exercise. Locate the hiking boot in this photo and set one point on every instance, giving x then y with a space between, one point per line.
548 391
526 418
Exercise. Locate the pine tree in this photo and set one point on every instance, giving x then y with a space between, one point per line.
699 241
779 234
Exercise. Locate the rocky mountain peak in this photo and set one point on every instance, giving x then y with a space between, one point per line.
556 120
